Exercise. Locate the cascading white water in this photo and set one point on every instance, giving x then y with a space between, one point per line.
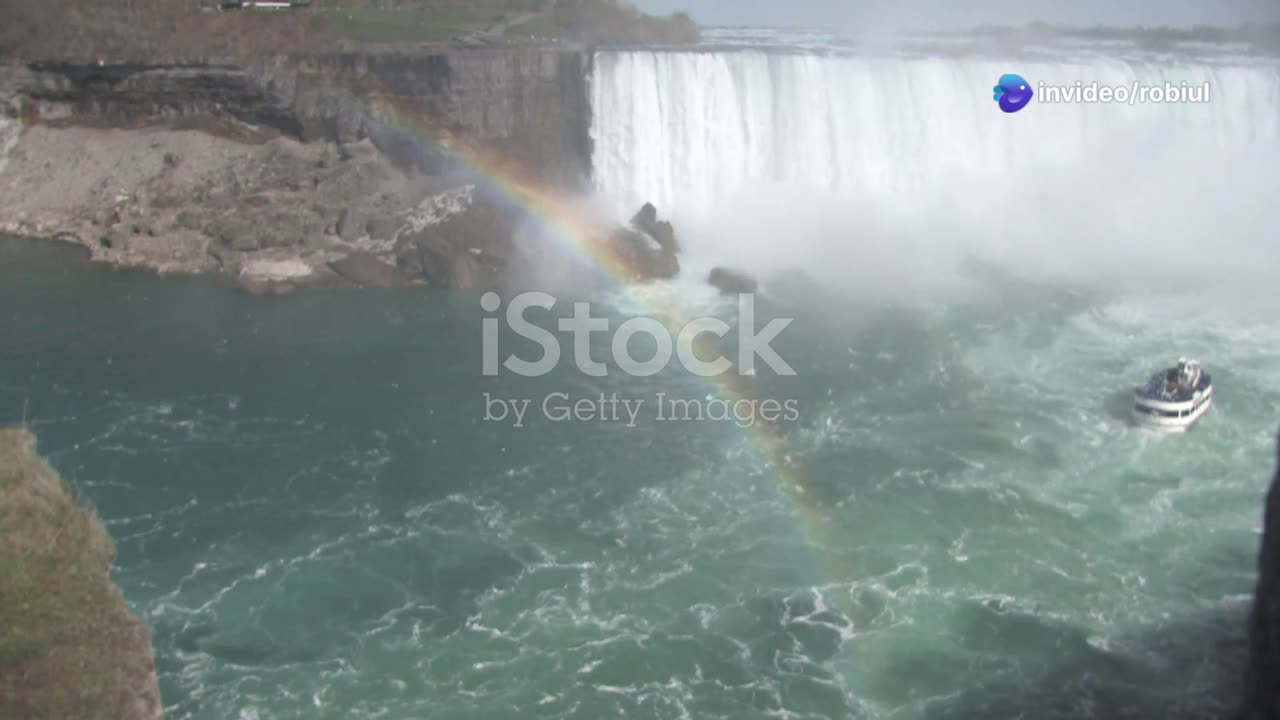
687 129
744 147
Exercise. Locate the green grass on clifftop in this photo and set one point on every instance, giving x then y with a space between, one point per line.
367 25
537 28
68 646
509 21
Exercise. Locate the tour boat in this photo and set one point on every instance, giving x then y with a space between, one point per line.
1175 398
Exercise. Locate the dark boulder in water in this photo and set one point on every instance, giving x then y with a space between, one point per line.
646 250
645 217
732 281
646 221
531 259
1262 676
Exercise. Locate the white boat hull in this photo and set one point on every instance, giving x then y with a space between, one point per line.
1172 417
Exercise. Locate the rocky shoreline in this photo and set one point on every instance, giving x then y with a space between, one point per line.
185 201
337 169
276 214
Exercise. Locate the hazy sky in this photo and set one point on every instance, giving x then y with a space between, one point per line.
936 13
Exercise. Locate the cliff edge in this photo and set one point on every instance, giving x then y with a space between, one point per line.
1262 677
69 647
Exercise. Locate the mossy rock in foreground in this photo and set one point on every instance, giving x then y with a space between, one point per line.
69 648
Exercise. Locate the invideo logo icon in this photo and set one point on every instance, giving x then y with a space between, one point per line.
1012 92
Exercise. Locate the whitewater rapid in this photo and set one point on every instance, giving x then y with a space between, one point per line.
687 129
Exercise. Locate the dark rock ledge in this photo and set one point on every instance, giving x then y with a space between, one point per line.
1262 677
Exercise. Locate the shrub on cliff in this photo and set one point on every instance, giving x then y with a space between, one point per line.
69 648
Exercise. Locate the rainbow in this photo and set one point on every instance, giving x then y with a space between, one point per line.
568 226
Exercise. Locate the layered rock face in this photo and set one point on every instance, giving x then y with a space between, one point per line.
128 95
528 104
1262 678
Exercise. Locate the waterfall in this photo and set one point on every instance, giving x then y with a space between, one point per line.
691 127
750 142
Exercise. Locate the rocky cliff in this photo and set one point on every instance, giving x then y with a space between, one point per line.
527 103
69 648
1262 679
387 169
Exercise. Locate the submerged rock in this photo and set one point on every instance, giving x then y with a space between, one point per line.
732 281
1262 676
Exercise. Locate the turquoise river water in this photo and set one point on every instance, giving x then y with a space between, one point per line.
317 520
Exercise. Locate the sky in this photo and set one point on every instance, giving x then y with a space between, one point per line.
931 14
